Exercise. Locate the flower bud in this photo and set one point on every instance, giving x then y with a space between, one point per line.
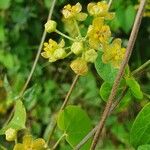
11 134
91 55
50 26
59 53
79 66
77 47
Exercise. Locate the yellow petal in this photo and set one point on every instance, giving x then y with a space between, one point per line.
79 66
19 147
39 144
110 16
98 22
27 140
81 16
45 54
77 8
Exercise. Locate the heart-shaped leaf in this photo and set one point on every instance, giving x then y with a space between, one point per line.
76 124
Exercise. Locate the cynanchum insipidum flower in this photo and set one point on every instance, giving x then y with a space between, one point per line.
79 66
30 144
11 134
98 33
50 26
54 51
97 37
74 12
100 9
113 53
90 55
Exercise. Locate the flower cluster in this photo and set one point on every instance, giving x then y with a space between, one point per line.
84 47
30 144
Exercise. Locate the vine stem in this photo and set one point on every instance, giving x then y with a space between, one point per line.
64 104
66 36
141 67
39 50
56 144
112 95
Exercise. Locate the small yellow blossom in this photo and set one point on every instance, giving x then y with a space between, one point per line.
11 134
74 12
113 53
90 55
50 26
79 66
53 51
100 9
30 144
98 33
77 47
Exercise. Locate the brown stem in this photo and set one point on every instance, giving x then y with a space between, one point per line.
64 104
112 95
91 133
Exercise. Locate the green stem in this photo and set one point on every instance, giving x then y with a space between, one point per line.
141 67
77 27
56 144
64 35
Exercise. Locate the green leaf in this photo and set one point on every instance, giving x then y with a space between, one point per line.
134 87
126 16
129 18
18 120
76 124
140 132
4 4
144 147
106 71
106 87
105 90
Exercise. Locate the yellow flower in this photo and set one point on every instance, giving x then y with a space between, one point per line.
90 55
50 26
98 33
77 47
74 12
11 134
113 53
54 51
100 9
30 144
79 66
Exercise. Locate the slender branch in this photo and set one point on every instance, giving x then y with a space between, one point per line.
109 4
39 51
129 50
66 36
141 67
56 144
77 27
91 133
64 104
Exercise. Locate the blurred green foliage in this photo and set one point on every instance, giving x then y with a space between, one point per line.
21 27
